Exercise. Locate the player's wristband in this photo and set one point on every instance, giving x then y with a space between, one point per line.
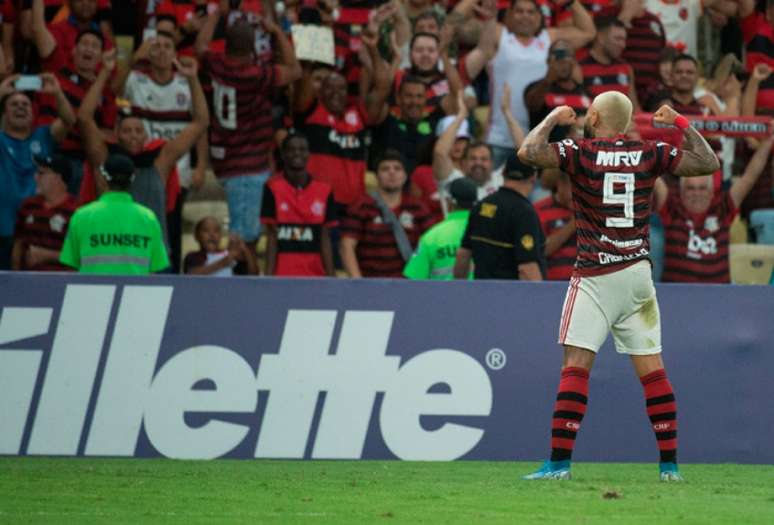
681 122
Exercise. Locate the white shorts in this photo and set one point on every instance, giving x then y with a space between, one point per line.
622 302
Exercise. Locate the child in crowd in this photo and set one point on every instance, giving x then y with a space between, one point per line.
211 259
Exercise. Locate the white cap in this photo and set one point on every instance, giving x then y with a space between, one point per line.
445 122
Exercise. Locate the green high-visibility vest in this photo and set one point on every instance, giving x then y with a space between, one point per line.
114 235
437 249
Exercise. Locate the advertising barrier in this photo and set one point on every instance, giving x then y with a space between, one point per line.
367 369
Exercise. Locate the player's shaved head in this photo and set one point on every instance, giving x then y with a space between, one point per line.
610 113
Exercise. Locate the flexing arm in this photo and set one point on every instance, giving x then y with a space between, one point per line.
185 140
698 157
582 30
750 95
535 149
742 186
93 142
442 162
42 37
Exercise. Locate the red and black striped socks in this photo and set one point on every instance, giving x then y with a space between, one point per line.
569 410
662 411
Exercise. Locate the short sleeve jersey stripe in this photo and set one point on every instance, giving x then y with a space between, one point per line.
612 183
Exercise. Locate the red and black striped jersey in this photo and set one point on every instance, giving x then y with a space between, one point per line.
241 130
645 40
759 44
552 215
298 213
612 183
599 78
40 225
696 248
377 251
337 150
75 88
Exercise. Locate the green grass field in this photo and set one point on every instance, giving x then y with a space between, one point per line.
42 490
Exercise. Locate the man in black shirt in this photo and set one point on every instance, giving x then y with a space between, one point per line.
503 237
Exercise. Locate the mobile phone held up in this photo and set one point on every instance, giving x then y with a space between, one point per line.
28 83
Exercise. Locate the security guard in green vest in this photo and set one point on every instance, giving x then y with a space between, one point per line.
437 249
115 235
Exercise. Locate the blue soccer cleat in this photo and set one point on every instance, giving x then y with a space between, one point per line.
559 470
669 472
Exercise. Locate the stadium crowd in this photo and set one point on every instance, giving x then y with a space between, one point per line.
339 129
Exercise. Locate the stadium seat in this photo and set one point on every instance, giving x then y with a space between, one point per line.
751 263
738 233
196 210
762 221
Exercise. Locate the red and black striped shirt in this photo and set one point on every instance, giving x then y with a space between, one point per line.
759 43
40 225
75 87
377 251
241 131
612 183
337 150
299 214
645 40
599 78
697 245
553 216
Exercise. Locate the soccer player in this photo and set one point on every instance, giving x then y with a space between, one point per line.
612 289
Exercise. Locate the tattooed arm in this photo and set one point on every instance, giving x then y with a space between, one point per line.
698 158
535 150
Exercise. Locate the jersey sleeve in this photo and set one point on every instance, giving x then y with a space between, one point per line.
567 151
668 158
69 254
418 267
527 245
268 207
